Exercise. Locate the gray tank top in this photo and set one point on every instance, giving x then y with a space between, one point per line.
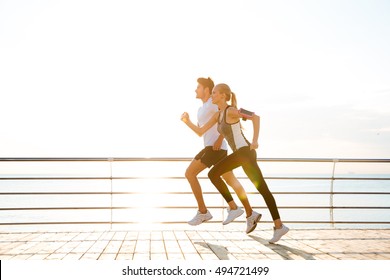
232 132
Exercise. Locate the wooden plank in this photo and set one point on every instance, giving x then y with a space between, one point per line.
56 256
175 256
82 236
209 256
73 256
122 257
128 247
173 250
98 246
11 247
14 236
108 256
190 257
90 256
158 256
142 246
157 246
324 256
172 247
69 247
6 257
21 257
141 257
119 236
37 257
82 246
132 235
113 247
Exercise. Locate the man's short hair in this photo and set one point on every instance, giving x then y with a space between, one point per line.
206 83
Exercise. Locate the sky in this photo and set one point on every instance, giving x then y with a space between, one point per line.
112 78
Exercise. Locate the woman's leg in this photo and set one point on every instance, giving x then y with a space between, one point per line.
232 181
225 165
231 162
252 170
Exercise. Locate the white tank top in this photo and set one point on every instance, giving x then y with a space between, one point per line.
204 114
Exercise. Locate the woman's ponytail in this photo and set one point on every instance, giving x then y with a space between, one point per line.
233 100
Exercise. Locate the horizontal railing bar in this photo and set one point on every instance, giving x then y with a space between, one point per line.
187 207
187 193
181 178
58 178
185 222
175 159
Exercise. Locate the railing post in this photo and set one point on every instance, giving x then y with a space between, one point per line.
331 202
111 160
222 208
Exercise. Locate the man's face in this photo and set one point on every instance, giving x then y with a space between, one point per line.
200 91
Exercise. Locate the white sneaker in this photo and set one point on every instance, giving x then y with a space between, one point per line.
251 221
200 218
232 215
278 233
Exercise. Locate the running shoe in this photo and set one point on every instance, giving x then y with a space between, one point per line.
200 218
278 233
251 221
232 215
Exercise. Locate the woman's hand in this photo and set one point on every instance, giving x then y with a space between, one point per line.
254 146
256 129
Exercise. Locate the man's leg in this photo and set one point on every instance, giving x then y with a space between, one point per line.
195 167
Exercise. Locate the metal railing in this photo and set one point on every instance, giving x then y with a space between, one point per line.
121 196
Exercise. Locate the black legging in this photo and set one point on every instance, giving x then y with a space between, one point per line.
247 159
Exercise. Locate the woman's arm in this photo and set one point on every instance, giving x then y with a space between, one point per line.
256 130
199 130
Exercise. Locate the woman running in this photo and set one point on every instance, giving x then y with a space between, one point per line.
244 153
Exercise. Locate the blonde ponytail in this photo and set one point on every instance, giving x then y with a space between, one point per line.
233 101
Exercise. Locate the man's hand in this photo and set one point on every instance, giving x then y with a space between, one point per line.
217 145
185 117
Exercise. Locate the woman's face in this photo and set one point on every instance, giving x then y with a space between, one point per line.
216 96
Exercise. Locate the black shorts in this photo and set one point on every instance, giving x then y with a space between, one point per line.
210 157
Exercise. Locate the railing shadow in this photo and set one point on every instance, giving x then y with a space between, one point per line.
283 250
220 251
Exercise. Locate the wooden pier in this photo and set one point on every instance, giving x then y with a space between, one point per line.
197 244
